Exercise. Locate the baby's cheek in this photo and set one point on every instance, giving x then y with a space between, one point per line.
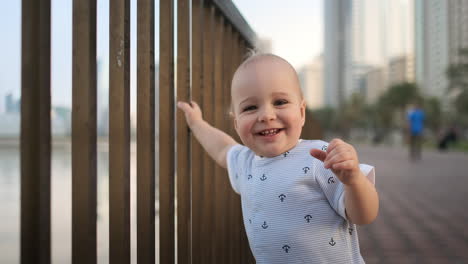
245 133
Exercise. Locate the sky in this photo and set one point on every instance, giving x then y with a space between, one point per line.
295 26
296 29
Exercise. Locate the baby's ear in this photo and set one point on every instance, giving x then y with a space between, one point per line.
234 119
303 111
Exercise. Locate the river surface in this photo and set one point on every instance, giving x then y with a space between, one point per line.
60 204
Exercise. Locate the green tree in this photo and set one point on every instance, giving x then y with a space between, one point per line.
392 104
433 113
398 96
327 118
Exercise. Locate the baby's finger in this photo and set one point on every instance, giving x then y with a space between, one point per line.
337 158
334 151
333 144
183 106
194 105
318 154
344 165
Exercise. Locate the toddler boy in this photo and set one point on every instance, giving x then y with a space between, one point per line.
301 199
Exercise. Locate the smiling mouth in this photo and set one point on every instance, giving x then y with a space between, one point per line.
270 132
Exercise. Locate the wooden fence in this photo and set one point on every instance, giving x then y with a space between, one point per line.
198 209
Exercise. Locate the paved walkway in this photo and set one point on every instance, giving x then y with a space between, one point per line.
423 215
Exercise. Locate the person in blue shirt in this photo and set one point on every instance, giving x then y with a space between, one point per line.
415 119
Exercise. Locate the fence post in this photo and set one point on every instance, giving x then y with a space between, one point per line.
145 133
208 110
196 154
84 123
166 132
184 221
219 224
35 132
119 132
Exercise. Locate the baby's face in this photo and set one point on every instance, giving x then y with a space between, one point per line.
269 111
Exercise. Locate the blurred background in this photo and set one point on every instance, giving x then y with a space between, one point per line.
363 65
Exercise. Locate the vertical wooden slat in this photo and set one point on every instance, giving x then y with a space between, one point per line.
246 253
145 133
219 218
183 138
166 132
207 105
227 190
236 216
242 247
119 132
240 220
84 181
197 151
35 132
234 224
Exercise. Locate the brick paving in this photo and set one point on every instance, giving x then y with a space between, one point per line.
423 215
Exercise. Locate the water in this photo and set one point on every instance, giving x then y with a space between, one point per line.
60 204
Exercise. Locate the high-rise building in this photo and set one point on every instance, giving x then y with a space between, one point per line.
374 83
12 105
457 28
381 31
400 69
441 29
431 43
337 16
311 79
374 32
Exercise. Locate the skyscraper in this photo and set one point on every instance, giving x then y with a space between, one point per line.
311 78
371 33
336 49
441 29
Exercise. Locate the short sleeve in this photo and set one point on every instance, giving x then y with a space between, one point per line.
233 166
334 189
367 170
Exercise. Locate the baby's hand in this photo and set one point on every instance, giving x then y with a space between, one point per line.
342 159
192 112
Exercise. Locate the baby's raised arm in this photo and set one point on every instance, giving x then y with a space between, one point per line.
361 198
213 140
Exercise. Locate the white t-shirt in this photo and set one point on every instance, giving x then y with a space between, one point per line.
293 208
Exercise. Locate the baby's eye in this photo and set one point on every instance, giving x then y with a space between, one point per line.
249 108
281 102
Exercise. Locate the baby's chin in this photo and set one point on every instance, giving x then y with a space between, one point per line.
270 153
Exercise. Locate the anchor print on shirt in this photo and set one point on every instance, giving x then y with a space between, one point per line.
308 218
331 180
263 178
286 248
249 177
350 231
286 154
282 197
264 226
332 243
305 169
324 147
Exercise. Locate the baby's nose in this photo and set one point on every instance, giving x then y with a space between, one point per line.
267 114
